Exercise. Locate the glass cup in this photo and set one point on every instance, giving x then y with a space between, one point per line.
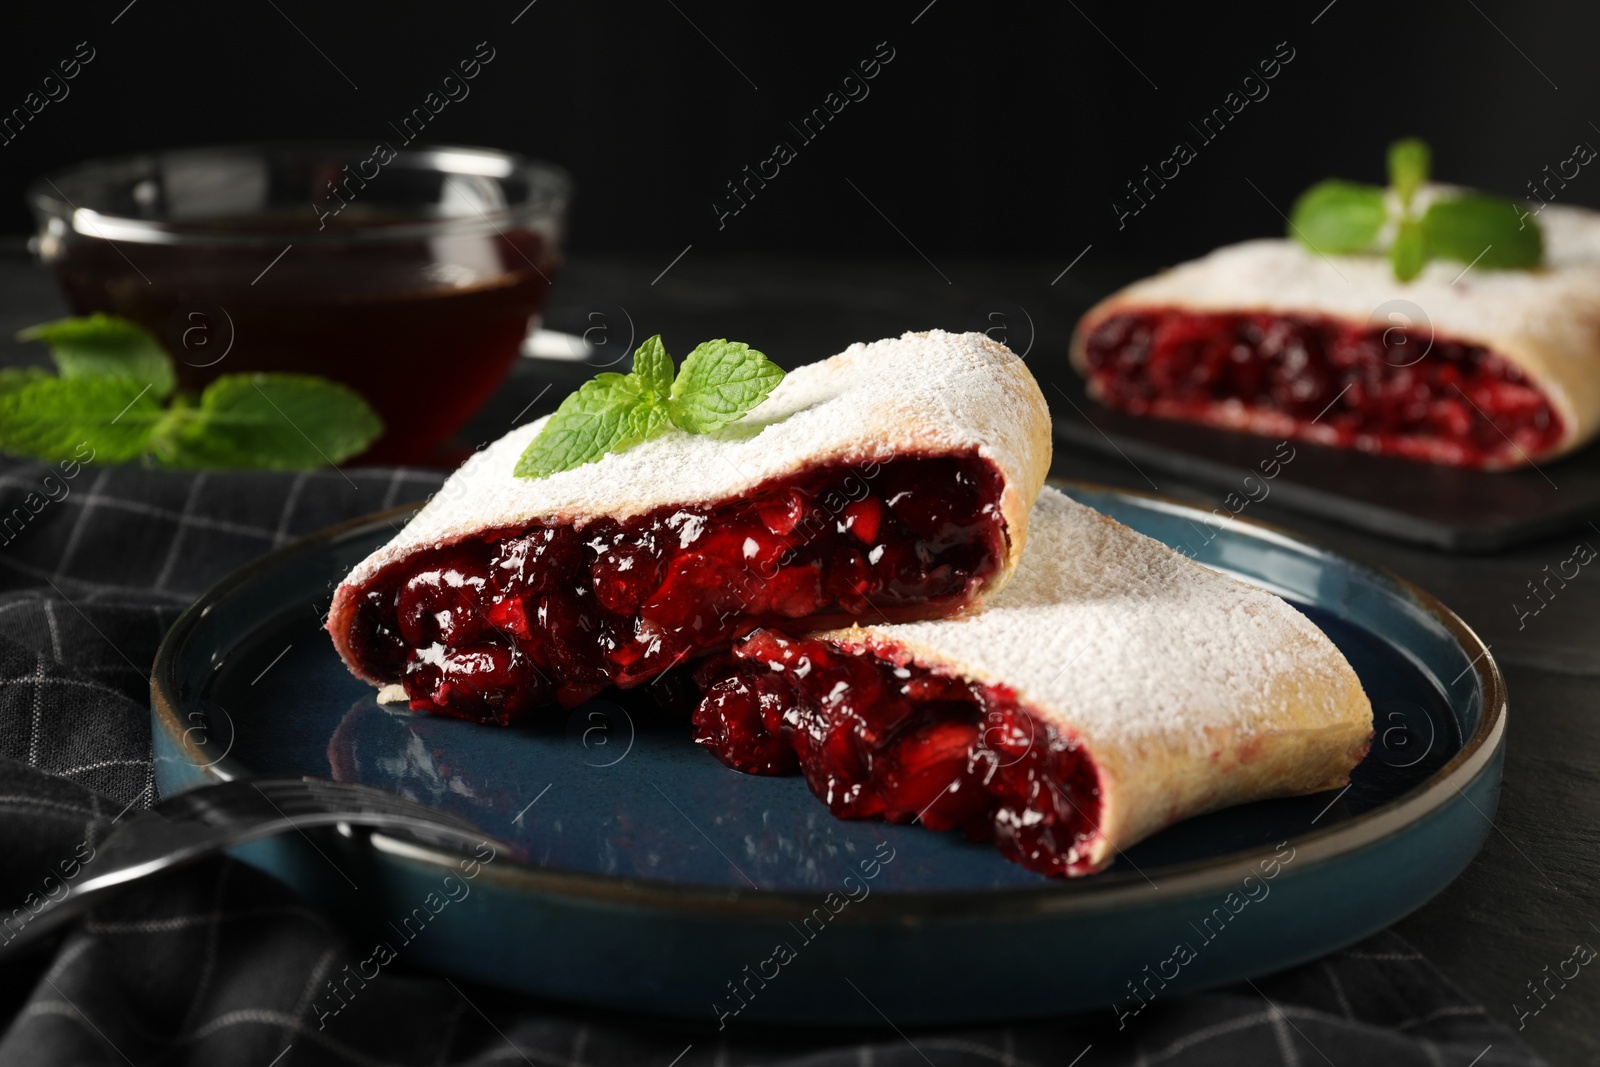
411 276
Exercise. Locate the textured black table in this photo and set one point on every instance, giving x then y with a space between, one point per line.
1532 894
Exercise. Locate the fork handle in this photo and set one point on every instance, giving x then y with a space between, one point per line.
148 844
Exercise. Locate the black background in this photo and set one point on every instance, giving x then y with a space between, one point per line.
997 133
995 130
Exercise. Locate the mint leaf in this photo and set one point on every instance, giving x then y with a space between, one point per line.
104 346
273 421
1409 253
1480 229
653 367
1338 217
53 418
113 377
720 382
606 414
1409 162
14 378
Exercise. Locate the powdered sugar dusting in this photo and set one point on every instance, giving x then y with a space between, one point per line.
1127 643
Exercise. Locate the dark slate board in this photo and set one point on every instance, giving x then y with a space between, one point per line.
1445 507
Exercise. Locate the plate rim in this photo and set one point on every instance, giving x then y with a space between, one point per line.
1108 891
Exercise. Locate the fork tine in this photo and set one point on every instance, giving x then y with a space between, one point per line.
341 793
357 797
305 799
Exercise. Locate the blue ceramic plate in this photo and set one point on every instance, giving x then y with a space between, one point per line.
636 871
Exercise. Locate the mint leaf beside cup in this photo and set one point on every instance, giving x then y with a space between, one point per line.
51 419
102 346
112 394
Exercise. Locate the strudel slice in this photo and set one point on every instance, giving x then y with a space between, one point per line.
893 480
1468 367
1113 688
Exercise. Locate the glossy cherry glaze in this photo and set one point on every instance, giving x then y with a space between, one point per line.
1389 390
488 628
874 734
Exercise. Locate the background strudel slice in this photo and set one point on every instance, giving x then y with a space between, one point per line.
1463 366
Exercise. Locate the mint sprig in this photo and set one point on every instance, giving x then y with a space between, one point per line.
720 382
115 392
1336 217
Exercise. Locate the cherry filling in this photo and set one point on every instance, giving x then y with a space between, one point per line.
1387 390
487 628
875 734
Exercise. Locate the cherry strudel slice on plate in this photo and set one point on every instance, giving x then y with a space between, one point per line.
1113 688
893 480
1462 366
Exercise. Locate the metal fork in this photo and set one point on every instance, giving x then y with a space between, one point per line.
201 822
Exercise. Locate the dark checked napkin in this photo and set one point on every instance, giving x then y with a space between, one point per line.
219 964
